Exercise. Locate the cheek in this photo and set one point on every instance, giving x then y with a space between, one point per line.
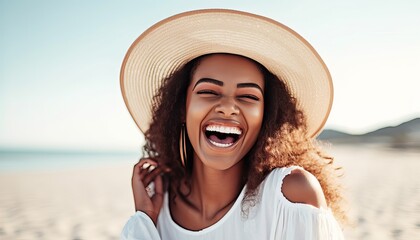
255 116
196 111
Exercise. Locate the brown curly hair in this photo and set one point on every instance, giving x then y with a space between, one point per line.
282 141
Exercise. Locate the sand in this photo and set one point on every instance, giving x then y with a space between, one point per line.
382 187
90 203
383 190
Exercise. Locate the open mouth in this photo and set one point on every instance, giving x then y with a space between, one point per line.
222 136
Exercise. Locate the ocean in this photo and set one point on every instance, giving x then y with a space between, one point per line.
53 161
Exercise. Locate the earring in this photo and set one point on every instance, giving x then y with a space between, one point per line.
182 146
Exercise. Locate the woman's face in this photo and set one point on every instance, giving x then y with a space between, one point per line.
224 109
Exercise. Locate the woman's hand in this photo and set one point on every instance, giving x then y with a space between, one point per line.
145 172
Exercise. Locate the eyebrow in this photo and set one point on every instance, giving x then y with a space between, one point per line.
220 83
209 80
254 85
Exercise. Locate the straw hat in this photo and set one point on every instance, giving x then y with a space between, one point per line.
174 41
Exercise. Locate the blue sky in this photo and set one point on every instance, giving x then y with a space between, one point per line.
60 62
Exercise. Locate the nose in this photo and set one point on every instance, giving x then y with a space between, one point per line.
227 106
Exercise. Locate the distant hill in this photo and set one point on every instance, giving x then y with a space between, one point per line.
405 135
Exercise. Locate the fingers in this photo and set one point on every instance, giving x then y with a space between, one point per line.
146 174
159 185
147 170
149 177
158 196
143 165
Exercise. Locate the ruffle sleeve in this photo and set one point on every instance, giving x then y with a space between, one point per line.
139 227
305 222
302 221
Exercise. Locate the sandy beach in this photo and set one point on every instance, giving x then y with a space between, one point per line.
90 203
94 202
383 192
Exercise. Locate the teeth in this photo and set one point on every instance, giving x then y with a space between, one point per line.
224 129
223 145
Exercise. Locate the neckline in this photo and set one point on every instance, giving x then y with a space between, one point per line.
207 229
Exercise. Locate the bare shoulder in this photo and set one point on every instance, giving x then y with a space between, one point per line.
300 186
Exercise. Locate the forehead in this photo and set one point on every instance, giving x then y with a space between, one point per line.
228 68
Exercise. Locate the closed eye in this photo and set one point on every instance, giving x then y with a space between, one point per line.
249 96
208 92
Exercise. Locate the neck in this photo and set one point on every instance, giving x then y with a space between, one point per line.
213 191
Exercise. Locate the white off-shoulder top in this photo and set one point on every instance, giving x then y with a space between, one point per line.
273 217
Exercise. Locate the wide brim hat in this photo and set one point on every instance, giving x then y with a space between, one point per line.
176 40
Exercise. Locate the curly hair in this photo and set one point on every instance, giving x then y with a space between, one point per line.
282 140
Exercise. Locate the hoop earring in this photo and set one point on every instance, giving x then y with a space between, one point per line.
183 146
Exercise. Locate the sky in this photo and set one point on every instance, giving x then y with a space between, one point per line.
60 64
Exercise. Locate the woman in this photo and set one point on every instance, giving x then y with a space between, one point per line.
229 133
